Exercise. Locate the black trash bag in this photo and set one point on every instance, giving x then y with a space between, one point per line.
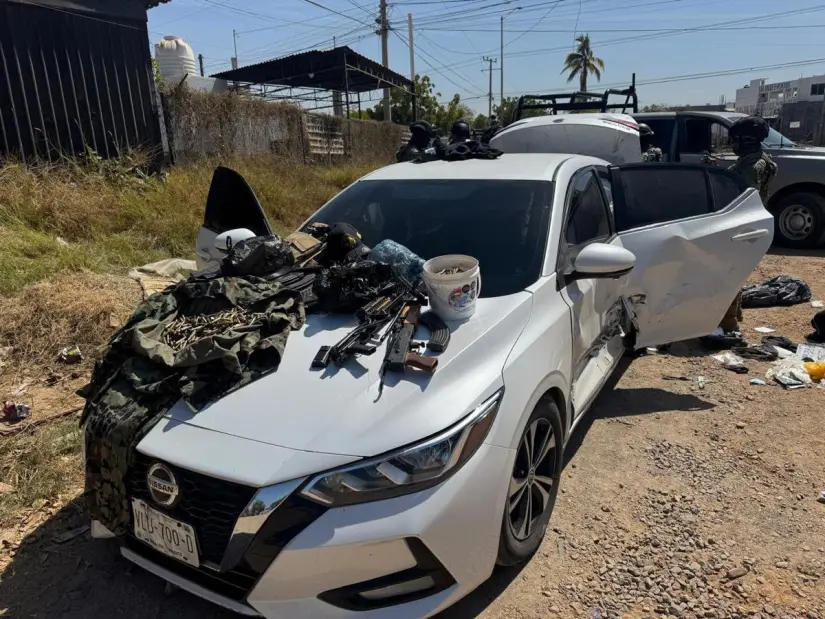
779 291
818 323
259 255
344 288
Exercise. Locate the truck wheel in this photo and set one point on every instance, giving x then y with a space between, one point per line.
800 220
534 484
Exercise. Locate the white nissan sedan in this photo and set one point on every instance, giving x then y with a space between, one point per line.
303 495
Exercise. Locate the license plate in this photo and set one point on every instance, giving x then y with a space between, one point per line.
167 535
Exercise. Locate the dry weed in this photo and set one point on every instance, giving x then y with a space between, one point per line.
81 309
39 465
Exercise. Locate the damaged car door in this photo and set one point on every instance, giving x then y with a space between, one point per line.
697 233
230 206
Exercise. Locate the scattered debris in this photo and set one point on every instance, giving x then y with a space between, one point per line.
790 373
61 241
764 330
810 352
816 370
758 353
52 379
6 488
732 362
15 411
69 535
817 304
70 355
821 497
779 342
758 381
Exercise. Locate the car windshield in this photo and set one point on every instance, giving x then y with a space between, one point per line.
501 223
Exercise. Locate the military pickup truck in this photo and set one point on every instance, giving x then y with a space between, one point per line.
797 194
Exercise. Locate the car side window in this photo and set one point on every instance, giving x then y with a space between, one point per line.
725 187
696 138
587 218
604 179
660 194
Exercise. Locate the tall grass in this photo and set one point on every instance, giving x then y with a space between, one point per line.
112 221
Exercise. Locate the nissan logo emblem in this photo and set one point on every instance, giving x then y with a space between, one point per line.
163 487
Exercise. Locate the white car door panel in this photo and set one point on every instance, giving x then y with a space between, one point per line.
595 303
694 245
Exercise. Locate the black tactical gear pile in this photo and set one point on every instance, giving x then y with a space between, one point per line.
209 336
196 341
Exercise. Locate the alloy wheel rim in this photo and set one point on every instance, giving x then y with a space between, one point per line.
531 484
796 222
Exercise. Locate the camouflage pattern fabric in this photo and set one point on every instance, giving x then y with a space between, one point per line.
652 154
758 169
730 321
196 341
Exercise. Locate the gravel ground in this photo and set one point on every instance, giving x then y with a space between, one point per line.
677 501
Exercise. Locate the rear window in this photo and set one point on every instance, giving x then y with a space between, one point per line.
502 223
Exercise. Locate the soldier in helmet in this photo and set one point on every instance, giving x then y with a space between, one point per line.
460 132
493 128
420 144
758 169
649 151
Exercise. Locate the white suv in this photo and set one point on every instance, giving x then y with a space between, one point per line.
303 495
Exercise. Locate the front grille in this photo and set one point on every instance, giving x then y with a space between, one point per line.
210 505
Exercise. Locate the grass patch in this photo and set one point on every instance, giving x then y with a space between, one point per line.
41 464
112 221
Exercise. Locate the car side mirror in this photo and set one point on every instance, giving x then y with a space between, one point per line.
225 241
602 261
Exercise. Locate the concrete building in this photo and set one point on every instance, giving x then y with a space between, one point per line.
766 100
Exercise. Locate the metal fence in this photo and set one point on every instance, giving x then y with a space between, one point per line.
70 81
802 121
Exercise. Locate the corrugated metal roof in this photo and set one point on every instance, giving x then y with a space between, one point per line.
339 68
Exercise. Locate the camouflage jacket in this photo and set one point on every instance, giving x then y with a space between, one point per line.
758 169
195 341
652 154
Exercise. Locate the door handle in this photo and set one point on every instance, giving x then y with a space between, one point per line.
751 235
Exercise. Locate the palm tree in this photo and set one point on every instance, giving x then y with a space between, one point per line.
583 62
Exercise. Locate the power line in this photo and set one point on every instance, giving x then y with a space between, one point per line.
326 8
601 30
552 8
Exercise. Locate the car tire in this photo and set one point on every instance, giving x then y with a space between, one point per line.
533 486
799 220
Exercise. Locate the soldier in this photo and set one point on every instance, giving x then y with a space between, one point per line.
649 151
420 144
493 128
758 169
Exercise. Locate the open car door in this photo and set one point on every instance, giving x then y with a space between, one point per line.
231 205
697 232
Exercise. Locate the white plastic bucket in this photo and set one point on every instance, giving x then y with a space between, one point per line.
453 295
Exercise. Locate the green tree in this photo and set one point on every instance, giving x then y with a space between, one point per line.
480 122
583 62
506 110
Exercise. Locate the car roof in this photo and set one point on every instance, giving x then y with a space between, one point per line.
514 166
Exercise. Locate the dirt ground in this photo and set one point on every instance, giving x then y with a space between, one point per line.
676 501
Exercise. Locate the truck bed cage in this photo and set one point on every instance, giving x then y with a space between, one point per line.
580 101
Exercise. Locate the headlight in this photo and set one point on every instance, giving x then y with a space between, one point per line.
407 470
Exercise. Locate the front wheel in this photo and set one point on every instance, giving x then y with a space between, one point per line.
534 484
800 220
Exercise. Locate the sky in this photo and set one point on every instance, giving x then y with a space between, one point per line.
682 51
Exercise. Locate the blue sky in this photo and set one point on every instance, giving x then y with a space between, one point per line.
655 38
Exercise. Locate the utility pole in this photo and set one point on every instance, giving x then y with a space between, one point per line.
501 58
490 93
235 43
200 62
412 65
385 59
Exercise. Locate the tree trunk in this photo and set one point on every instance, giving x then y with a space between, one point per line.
583 81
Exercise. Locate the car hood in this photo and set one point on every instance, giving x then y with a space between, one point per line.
806 152
338 411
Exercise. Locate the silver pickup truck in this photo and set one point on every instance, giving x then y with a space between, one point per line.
797 198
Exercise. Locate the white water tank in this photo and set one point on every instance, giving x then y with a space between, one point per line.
175 57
